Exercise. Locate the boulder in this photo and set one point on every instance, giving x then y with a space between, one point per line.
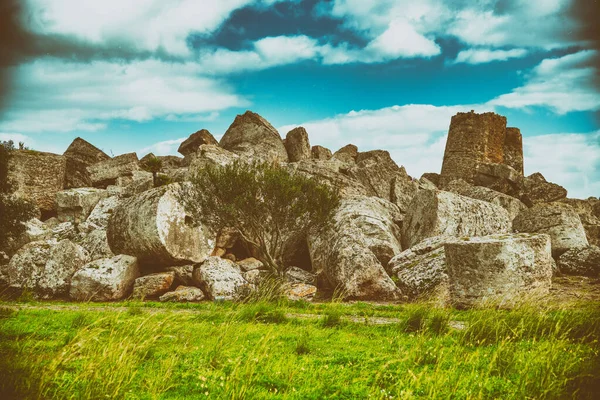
106 172
96 245
248 264
320 153
195 140
183 274
426 184
35 230
297 145
590 220
154 227
46 267
256 276
139 182
439 213
254 137
558 220
499 177
328 173
513 149
220 279
153 285
75 205
498 269
351 251
98 218
432 177
421 269
580 261
209 155
105 279
300 291
65 230
347 154
79 155
37 177
298 275
168 162
537 190
512 205
184 294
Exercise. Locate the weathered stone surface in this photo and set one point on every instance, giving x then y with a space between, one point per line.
96 245
255 276
153 285
297 145
558 220
79 155
351 252
183 274
37 177
46 267
512 205
298 275
300 291
167 162
154 227
580 261
499 268
347 154
537 190
249 264
328 173
98 218
432 177
426 184
472 139
35 230
320 153
209 155
422 268
75 205
438 213
586 211
65 230
254 137
184 294
220 279
227 238
195 140
106 172
139 182
513 149
499 177
105 279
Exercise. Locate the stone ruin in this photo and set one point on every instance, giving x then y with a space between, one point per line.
479 231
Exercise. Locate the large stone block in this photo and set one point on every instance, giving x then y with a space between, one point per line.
195 140
438 213
537 190
221 279
81 154
498 269
107 172
105 279
75 205
513 149
297 145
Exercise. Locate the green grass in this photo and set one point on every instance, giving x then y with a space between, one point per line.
296 350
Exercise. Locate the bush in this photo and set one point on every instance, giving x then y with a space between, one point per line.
266 203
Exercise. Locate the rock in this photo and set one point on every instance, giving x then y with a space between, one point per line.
256 276
195 140
498 268
558 220
106 172
351 252
298 275
432 177
209 155
140 182
79 155
586 211
153 285
183 274
473 139
438 213
537 190
347 154
168 162
255 138
249 264
499 177
297 145
51 222
320 153
105 279
154 227
512 205
300 291
46 267
75 205
227 238
183 294
580 261
422 268
37 177
66 230
513 149
328 173
96 245
426 184
98 218
220 279
35 230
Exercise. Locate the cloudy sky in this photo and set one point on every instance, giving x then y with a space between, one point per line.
141 75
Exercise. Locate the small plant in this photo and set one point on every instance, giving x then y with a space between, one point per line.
262 312
154 165
332 318
303 344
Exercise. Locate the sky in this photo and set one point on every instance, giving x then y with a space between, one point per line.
142 75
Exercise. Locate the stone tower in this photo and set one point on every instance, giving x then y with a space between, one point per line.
513 149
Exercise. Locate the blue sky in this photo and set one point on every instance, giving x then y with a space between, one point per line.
142 75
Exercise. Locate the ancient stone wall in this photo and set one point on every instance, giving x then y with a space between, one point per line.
513 149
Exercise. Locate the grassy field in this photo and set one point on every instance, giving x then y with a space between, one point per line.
296 351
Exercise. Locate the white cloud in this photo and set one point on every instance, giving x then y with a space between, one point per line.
62 96
480 56
164 148
16 138
569 159
563 84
